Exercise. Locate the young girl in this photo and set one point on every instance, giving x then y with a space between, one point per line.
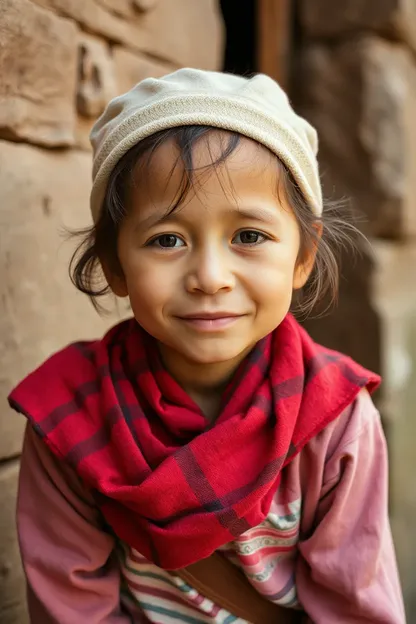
208 437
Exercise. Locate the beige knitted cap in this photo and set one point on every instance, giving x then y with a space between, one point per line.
255 107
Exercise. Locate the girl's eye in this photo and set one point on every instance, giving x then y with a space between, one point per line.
167 241
249 237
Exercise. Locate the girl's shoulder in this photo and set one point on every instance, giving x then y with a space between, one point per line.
354 438
63 397
353 422
350 447
348 433
68 375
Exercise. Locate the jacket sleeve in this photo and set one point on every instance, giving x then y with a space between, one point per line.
72 574
347 568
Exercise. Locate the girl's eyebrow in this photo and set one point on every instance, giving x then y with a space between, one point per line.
261 214
152 220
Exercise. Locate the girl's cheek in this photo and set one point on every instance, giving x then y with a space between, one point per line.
149 284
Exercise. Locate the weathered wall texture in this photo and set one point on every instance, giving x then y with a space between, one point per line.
356 81
60 62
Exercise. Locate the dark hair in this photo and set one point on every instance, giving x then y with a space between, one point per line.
99 243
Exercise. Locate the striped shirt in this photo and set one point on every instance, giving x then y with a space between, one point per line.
265 554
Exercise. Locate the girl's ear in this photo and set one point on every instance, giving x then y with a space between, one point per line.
304 267
115 279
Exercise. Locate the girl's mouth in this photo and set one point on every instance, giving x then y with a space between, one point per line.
211 322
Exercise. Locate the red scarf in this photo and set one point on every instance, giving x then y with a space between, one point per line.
169 485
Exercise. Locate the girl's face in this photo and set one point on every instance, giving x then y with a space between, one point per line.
215 276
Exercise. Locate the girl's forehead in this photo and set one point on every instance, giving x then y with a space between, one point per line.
245 183
165 170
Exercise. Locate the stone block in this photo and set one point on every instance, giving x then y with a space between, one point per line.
144 5
128 8
395 19
360 95
97 84
394 296
38 75
41 194
122 8
96 76
352 325
130 68
325 18
116 73
183 32
82 132
12 584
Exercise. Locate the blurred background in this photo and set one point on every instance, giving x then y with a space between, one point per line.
349 67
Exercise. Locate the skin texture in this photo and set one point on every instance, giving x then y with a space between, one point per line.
230 248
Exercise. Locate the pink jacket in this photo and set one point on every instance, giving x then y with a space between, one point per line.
326 545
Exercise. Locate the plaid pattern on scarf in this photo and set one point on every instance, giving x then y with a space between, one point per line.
169 485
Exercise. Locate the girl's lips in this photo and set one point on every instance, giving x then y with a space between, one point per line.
210 324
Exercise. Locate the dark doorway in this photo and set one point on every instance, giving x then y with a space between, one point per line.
241 26
259 37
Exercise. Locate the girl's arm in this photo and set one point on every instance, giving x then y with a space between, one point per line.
72 575
347 570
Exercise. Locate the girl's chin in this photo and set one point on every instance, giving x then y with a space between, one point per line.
215 357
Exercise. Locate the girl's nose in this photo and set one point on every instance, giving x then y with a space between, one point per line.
210 272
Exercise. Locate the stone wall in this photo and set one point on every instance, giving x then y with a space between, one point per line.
60 62
355 79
